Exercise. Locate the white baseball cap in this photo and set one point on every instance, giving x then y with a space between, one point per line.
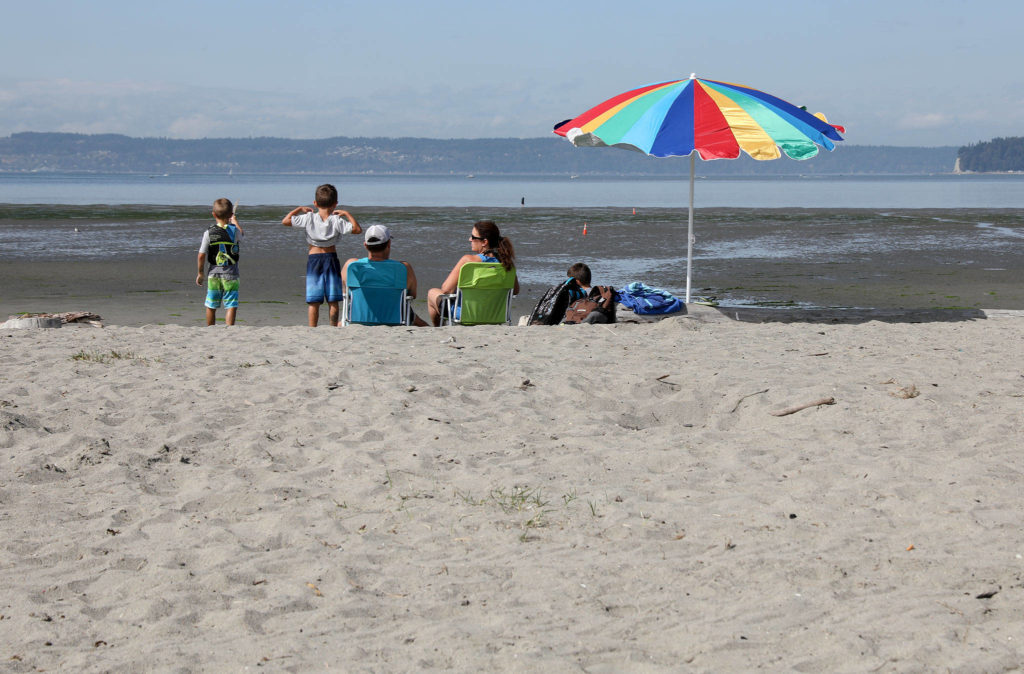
377 234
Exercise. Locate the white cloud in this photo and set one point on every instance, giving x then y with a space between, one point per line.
158 109
496 109
927 120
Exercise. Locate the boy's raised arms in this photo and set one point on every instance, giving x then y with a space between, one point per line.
287 220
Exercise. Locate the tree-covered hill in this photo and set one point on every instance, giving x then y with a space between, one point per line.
111 153
998 154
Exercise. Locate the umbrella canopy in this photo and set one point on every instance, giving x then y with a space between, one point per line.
715 120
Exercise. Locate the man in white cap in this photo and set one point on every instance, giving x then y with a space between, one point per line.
377 241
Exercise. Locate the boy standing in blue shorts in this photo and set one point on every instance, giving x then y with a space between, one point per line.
324 226
220 248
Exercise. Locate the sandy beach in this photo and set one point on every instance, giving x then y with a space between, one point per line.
587 498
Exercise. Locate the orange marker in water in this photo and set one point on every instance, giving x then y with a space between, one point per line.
634 211
584 229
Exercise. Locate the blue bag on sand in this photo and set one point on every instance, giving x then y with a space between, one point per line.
643 299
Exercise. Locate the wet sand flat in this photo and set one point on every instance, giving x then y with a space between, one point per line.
784 258
791 259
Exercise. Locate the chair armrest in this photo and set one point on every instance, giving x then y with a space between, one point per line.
448 301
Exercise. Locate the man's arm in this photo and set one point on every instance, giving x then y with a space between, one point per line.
356 229
410 283
344 271
201 264
234 221
298 210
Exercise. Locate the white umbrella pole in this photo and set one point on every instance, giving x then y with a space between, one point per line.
689 233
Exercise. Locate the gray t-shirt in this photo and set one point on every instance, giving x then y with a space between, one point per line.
319 233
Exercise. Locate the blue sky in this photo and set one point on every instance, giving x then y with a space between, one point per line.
900 72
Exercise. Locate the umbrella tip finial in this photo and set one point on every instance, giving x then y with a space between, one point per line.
693 76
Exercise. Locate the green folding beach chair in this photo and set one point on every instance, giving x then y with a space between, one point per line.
483 297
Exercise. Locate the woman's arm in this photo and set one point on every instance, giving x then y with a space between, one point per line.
451 284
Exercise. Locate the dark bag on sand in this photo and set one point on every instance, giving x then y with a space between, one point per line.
552 305
597 300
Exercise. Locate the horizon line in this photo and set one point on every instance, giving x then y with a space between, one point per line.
11 135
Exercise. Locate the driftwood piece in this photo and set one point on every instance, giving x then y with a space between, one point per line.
663 380
80 317
737 405
796 408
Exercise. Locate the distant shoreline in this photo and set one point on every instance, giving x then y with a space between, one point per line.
36 152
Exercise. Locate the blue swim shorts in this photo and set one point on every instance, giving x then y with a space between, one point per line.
323 278
221 292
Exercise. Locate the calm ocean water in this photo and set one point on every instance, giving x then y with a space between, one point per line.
939 191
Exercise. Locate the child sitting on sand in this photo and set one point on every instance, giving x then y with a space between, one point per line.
324 226
580 273
220 248
598 302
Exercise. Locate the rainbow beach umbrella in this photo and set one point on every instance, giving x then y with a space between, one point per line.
712 119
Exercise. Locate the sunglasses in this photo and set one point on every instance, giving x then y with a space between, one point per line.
476 238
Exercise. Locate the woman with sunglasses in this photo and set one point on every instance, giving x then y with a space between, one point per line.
488 245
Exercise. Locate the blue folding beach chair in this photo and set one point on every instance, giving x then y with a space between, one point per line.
375 293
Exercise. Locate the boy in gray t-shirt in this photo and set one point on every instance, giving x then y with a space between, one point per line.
323 227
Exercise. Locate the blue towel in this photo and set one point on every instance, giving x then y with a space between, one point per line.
643 299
